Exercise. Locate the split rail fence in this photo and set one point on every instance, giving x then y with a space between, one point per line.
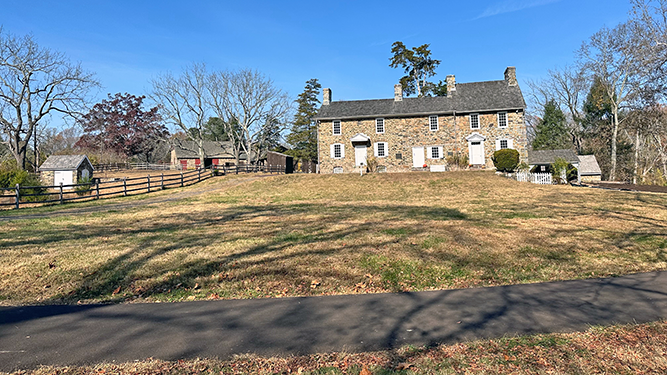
25 196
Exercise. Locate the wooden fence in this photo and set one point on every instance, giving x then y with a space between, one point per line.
25 196
536 178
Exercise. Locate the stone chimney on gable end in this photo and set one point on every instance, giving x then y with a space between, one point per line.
398 92
510 76
326 96
451 85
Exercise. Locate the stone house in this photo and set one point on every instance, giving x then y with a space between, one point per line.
474 120
65 169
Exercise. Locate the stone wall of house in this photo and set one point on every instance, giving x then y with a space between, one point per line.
401 134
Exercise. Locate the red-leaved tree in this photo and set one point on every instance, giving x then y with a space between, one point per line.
120 124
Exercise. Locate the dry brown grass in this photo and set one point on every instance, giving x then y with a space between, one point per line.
301 235
632 349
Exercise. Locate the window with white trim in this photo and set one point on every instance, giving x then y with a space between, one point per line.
502 119
379 125
474 121
338 170
434 152
337 151
503 144
381 149
336 127
433 122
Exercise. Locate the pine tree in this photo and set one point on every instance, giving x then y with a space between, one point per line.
303 134
551 132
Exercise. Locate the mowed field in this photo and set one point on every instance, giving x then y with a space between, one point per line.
297 235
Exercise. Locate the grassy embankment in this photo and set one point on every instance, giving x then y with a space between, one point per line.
300 235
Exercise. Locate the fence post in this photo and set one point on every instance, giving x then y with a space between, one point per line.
181 179
162 181
148 183
199 175
61 192
97 189
125 186
18 195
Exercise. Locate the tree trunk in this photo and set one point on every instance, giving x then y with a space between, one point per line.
614 135
634 173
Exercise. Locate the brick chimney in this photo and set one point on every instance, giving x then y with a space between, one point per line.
510 76
398 92
326 96
451 85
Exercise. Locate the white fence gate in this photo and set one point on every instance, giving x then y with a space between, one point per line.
536 178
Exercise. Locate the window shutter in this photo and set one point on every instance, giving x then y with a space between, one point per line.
497 144
386 149
510 143
375 148
332 151
342 151
440 155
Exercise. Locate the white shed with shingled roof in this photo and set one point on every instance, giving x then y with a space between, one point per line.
65 169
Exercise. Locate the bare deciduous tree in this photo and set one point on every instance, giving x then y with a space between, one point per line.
249 98
183 102
34 83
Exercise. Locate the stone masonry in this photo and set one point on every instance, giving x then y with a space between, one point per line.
402 134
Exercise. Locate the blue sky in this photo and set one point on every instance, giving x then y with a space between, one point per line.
344 44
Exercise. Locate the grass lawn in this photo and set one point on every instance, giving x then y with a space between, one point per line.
631 349
296 235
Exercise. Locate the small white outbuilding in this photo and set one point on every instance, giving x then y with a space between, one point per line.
65 169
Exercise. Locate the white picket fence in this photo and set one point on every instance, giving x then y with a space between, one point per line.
536 178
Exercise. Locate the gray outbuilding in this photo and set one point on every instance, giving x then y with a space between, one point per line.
65 169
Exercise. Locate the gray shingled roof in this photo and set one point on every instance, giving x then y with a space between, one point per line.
588 166
62 162
468 97
536 157
213 149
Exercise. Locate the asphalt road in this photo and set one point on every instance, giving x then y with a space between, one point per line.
67 335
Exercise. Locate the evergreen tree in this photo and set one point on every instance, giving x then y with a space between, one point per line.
551 132
303 135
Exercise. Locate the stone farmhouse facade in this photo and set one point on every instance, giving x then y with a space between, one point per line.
473 119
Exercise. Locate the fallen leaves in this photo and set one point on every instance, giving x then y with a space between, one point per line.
314 284
115 291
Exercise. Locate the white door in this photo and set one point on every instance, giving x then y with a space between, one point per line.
476 152
417 157
62 176
360 153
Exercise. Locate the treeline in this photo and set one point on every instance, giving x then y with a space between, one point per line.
611 101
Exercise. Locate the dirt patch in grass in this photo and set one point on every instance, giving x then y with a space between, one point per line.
631 349
299 235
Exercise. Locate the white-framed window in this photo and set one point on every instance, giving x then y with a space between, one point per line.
504 143
338 170
336 127
379 125
433 122
474 121
434 152
502 119
337 151
381 149
382 169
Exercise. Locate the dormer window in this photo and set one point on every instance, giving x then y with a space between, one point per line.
336 127
379 125
433 122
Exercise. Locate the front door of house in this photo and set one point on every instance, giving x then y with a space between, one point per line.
476 152
360 153
417 157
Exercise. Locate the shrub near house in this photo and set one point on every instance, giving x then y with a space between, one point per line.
506 160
